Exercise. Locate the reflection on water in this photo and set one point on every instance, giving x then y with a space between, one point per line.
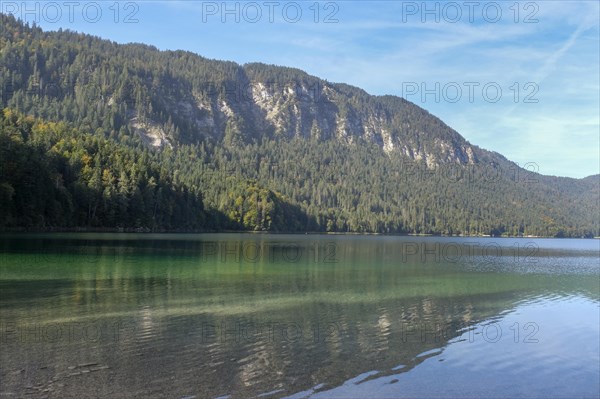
106 315
557 355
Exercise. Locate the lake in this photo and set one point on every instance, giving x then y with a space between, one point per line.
299 316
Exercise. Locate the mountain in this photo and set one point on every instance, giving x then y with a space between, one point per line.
253 147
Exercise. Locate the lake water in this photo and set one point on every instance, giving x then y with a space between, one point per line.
300 316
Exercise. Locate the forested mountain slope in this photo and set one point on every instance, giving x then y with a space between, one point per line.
173 141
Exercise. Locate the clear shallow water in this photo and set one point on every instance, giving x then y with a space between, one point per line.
242 315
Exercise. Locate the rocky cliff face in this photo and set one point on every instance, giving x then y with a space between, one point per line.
309 108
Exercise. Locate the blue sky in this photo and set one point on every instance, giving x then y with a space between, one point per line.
542 55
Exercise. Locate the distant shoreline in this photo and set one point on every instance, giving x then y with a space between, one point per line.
130 230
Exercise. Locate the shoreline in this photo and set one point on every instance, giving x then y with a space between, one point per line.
108 230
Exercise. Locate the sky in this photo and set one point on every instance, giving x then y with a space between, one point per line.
521 78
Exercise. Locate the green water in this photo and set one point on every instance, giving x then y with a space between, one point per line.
243 315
